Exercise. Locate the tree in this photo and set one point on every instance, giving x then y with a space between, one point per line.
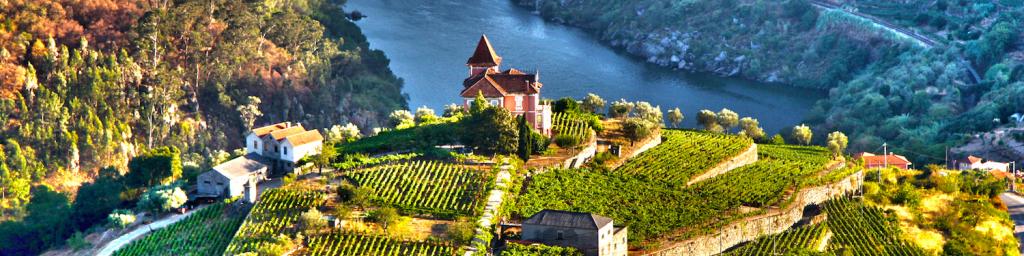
593 103
650 113
708 119
162 198
479 104
385 216
491 129
356 196
622 108
158 166
95 201
727 119
525 135
565 105
675 116
121 218
637 129
327 154
401 118
453 110
341 134
312 220
837 142
751 128
802 134
425 115
250 111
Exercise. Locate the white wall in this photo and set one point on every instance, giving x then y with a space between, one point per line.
249 147
294 154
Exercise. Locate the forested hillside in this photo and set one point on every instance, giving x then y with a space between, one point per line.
86 84
883 86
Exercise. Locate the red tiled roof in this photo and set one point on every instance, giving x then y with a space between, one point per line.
973 159
487 86
270 128
871 160
484 56
494 84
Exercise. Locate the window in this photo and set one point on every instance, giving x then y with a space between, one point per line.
277 149
285 150
494 102
560 237
207 182
220 183
519 102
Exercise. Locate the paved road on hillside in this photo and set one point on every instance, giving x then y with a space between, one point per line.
921 39
1015 204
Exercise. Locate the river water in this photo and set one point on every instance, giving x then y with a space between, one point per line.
428 42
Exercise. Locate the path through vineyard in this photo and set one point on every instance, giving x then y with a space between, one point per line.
1015 204
125 239
494 200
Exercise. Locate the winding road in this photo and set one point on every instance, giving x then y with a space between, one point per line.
921 39
1015 205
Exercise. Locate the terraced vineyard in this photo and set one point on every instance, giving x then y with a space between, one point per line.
806 238
572 124
441 189
205 232
274 214
654 207
356 244
864 230
685 154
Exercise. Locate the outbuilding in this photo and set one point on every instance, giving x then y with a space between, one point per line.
231 178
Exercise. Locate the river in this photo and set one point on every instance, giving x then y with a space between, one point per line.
428 42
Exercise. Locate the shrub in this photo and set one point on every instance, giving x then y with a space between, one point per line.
564 105
162 198
566 141
121 218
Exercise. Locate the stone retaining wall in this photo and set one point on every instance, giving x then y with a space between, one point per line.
748 156
773 222
584 155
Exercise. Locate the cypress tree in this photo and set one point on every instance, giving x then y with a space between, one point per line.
524 150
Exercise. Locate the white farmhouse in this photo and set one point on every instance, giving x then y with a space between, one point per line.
270 151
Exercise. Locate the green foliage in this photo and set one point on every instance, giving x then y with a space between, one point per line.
461 231
121 218
95 200
683 154
162 198
524 146
802 134
276 213
207 232
593 104
516 249
491 130
364 244
443 190
312 220
47 223
574 127
156 167
637 129
416 138
790 242
385 216
565 105
851 222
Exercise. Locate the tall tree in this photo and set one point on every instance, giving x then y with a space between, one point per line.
525 135
751 128
727 119
709 120
327 153
802 134
594 104
158 166
675 116
250 111
837 142
637 129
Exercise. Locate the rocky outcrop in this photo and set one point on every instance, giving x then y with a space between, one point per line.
774 222
748 156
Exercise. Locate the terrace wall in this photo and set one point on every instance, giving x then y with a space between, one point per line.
584 155
773 222
748 156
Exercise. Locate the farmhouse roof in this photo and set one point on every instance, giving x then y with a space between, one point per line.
261 131
240 166
973 159
494 84
893 159
284 133
305 138
484 55
578 220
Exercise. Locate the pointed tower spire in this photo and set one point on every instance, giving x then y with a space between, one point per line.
484 56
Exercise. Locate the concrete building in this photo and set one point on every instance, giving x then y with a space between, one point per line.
231 178
872 161
978 163
592 234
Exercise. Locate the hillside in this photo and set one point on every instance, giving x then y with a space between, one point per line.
86 85
882 87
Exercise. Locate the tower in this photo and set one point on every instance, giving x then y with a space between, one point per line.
484 58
